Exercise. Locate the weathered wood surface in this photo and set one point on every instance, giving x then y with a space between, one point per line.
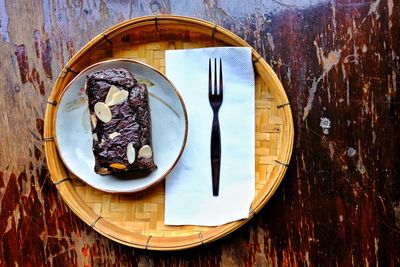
339 62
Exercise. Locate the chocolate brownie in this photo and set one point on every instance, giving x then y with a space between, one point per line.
121 122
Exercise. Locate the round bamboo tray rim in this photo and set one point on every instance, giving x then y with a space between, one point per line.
189 238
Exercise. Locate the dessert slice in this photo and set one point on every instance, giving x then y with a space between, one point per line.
121 122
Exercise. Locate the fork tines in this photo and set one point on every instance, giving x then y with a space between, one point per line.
215 90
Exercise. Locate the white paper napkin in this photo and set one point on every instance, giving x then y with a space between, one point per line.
188 197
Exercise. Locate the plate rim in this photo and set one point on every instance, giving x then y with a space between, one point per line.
176 160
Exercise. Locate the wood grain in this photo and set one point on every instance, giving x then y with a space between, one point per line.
339 203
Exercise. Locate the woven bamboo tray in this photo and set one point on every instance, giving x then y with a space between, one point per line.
137 219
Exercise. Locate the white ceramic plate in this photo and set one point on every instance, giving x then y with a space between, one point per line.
169 129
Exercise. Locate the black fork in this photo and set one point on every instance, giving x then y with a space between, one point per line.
215 96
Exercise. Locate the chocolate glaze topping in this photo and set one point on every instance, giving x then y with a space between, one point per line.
131 119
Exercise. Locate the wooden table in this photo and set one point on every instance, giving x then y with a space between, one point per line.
339 203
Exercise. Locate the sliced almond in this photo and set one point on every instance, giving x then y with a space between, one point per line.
93 120
102 112
103 171
113 135
145 152
118 166
130 153
113 90
95 138
118 98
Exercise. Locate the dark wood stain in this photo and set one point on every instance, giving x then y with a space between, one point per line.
41 88
22 60
38 153
39 126
38 84
46 58
338 205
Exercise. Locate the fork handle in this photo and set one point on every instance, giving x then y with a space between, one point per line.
215 153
